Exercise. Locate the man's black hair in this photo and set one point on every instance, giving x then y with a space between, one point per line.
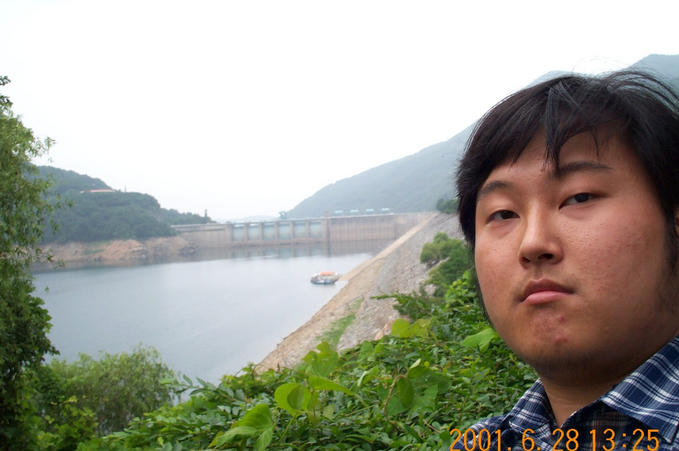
640 108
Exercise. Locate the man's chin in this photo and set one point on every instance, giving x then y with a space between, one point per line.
565 364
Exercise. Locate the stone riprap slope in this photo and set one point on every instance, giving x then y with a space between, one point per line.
396 269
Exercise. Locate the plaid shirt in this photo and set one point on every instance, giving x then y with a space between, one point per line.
641 413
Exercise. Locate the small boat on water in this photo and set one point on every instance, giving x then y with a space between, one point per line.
325 278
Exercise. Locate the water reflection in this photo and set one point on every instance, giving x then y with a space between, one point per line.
335 249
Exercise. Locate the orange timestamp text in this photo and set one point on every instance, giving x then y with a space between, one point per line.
565 440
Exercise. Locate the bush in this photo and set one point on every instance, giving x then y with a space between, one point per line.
448 206
453 258
117 388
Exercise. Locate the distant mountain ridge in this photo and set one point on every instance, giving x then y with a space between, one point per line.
403 185
95 212
416 182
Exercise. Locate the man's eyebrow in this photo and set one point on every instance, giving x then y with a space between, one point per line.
561 172
490 187
577 166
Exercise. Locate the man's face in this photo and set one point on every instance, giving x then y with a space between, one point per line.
572 264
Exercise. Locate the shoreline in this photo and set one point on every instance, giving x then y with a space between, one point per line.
395 269
116 253
350 317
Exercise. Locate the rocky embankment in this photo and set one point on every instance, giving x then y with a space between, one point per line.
396 269
122 252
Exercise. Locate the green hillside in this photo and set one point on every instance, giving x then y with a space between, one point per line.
92 211
416 182
412 183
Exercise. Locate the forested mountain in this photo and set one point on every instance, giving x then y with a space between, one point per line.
92 211
418 181
412 183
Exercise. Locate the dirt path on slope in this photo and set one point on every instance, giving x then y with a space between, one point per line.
396 269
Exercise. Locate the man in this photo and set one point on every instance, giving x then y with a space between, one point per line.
569 198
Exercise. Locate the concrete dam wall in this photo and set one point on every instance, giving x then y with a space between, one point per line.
329 229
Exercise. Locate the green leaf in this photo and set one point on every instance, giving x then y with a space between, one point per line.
255 421
481 339
420 328
322 383
400 328
293 397
233 433
405 392
329 411
324 362
426 402
258 417
367 376
395 406
264 439
417 370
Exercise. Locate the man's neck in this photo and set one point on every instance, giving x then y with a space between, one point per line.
569 391
566 399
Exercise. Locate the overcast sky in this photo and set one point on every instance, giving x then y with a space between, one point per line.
248 107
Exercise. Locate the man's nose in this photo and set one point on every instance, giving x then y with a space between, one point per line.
540 242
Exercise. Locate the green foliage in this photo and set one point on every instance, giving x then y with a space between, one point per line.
118 387
255 423
334 333
100 216
440 249
24 322
481 339
403 329
452 257
65 182
173 217
448 206
108 216
63 424
443 369
73 403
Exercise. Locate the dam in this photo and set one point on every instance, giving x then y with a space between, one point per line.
325 230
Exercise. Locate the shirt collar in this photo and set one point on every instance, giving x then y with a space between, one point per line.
649 394
531 411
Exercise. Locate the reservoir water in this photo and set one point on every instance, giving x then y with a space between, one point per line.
206 318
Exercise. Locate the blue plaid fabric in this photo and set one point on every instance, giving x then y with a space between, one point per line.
641 413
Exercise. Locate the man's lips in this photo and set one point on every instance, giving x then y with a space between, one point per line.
543 291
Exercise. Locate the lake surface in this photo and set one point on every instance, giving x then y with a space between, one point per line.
207 318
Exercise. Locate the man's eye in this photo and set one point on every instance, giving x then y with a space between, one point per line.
579 198
503 215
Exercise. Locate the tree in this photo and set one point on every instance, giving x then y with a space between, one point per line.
24 322
448 206
117 387
452 257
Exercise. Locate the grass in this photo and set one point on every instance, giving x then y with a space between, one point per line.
334 333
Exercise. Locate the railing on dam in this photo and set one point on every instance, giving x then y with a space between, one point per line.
292 231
